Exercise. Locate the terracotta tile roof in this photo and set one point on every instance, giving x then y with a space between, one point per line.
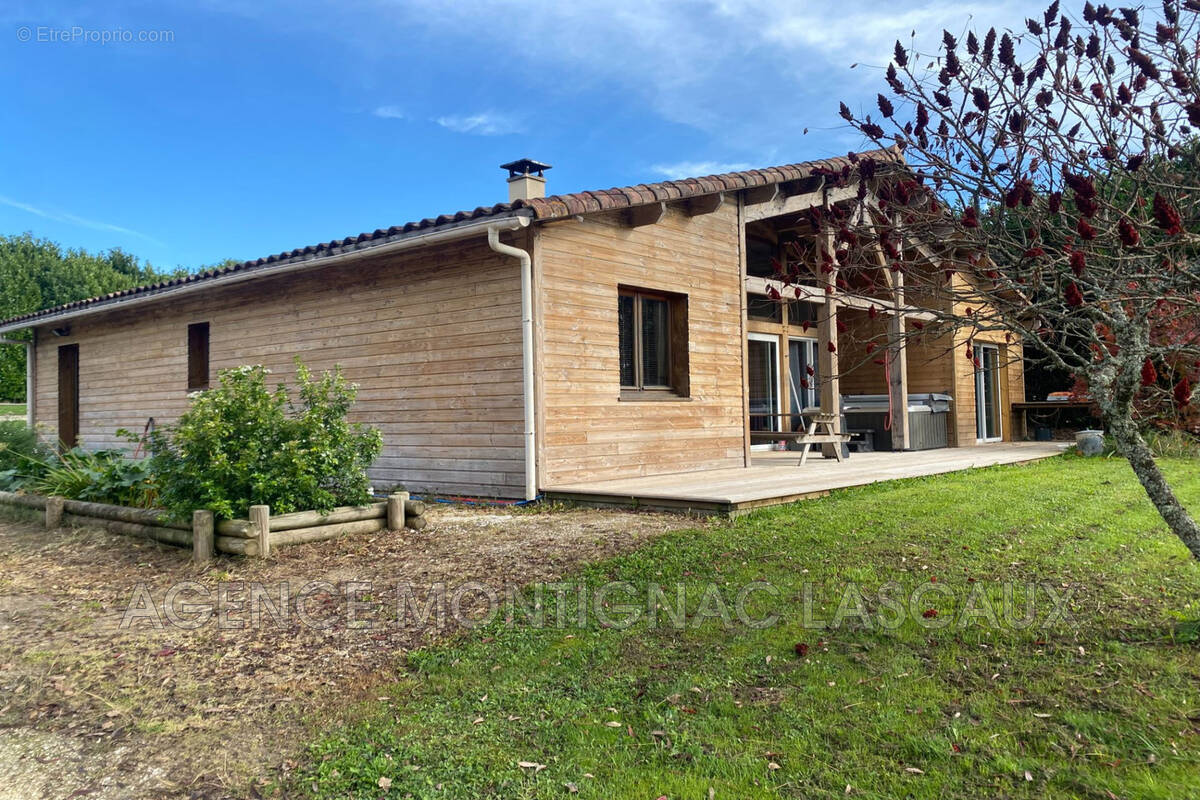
543 208
568 205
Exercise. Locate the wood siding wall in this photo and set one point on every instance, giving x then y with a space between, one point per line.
432 337
589 432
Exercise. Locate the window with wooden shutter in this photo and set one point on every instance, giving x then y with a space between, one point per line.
197 356
652 333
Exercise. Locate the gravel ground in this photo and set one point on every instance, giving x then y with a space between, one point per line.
101 703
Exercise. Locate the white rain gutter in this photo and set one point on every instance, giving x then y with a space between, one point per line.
526 343
443 233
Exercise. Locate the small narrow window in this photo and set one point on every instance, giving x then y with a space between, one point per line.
652 328
197 356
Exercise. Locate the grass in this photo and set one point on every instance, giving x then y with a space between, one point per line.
1105 706
12 409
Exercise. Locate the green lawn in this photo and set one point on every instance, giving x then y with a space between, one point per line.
12 409
1106 706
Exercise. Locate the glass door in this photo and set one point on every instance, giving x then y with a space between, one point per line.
763 369
987 393
802 357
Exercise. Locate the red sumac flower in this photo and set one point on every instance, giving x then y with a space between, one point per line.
1086 231
1128 233
832 347
1183 393
970 218
1167 216
1072 294
1078 263
1149 373
1193 113
1145 63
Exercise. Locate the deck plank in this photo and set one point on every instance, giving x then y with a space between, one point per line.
776 477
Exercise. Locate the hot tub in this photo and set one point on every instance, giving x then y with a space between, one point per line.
928 415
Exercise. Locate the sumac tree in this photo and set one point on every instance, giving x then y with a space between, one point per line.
1054 169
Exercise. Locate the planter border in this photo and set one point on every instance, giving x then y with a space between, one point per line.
254 537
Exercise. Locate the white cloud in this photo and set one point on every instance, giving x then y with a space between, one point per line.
388 112
698 169
72 219
485 123
750 74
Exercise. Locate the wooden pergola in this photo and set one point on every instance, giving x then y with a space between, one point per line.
826 295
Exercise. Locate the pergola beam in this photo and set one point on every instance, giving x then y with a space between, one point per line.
897 360
827 355
811 294
795 204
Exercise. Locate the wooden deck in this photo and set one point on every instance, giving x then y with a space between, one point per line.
777 478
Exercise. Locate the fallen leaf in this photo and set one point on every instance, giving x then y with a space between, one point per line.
533 765
914 770
385 783
613 724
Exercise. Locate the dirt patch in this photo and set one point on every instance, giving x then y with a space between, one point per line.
175 700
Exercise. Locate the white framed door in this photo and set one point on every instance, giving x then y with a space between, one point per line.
987 393
765 389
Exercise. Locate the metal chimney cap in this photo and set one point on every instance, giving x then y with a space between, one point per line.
524 166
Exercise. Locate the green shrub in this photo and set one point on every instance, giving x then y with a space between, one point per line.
22 456
242 444
100 476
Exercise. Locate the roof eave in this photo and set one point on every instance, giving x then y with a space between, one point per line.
510 220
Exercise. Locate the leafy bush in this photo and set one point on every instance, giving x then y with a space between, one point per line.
100 476
242 444
22 456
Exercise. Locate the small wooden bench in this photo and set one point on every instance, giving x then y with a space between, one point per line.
809 436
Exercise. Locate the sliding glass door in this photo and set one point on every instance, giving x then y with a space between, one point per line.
987 393
802 357
763 369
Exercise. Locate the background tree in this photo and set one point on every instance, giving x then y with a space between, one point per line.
37 274
1055 169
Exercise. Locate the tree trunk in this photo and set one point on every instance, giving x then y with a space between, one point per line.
1131 445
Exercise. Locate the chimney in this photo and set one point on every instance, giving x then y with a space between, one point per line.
525 179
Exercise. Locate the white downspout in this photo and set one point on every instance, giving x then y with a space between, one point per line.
493 235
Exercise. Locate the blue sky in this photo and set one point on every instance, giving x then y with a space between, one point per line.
261 126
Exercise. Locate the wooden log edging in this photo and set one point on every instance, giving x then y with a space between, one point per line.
254 537
141 516
27 500
156 532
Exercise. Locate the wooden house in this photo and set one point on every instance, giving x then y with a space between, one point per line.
546 341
